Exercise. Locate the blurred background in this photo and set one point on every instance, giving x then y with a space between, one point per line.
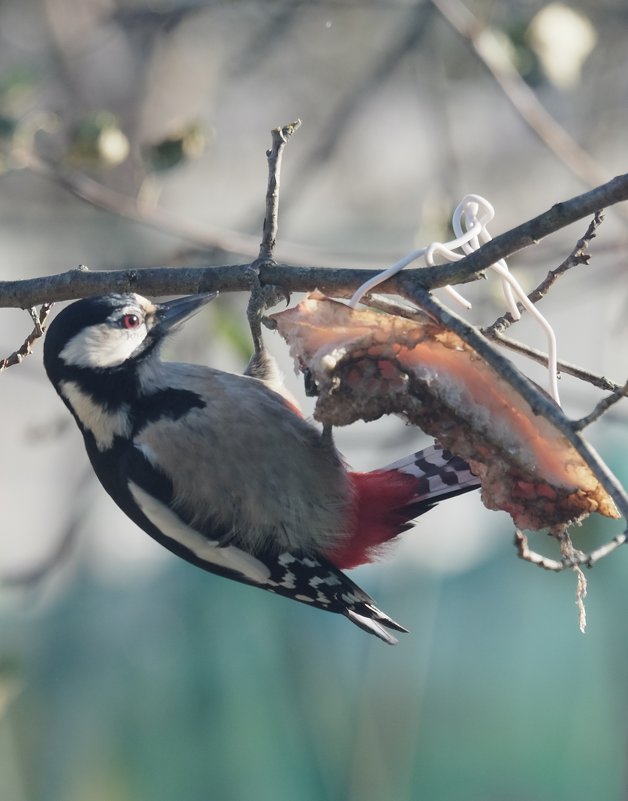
132 134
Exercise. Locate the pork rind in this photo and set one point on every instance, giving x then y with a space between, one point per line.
366 364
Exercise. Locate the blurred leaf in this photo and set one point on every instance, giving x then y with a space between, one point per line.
7 126
562 39
524 57
10 682
17 81
187 143
98 140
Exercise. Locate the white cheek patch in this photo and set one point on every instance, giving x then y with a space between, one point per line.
103 345
209 551
103 424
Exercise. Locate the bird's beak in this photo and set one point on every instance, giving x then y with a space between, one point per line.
173 312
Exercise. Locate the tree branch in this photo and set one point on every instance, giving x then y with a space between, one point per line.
333 281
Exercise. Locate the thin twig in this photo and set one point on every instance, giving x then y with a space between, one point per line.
524 552
27 346
601 407
582 560
576 257
599 381
274 155
264 295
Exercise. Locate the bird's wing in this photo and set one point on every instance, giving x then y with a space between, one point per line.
310 579
240 457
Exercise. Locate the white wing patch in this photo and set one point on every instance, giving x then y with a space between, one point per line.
228 557
104 425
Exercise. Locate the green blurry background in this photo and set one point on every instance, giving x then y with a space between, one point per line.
128 675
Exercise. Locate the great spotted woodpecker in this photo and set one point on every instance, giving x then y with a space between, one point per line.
223 469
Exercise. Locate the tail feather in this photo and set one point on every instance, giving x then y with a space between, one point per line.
439 474
375 625
386 501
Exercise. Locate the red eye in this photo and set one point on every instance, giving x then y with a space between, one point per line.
131 321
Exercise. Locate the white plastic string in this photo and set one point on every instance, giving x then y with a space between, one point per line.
469 221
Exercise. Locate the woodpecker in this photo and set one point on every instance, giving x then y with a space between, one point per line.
223 469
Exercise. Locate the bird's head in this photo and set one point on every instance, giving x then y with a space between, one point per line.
112 331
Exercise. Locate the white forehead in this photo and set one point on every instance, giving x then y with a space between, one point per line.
109 344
